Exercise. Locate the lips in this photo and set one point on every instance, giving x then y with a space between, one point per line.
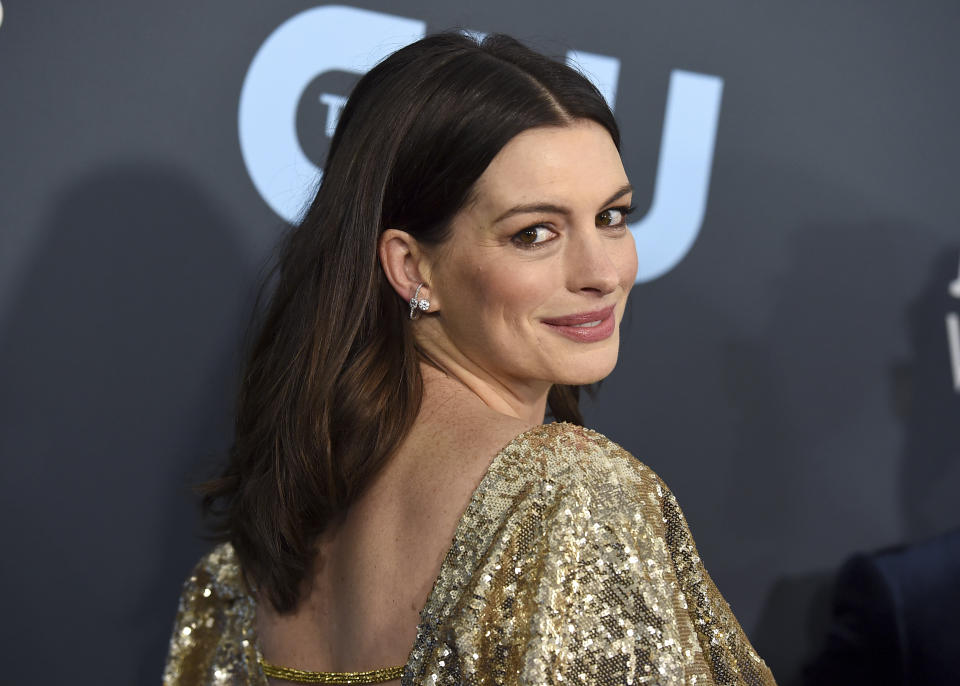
585 326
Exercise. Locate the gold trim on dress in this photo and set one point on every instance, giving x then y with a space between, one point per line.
374 676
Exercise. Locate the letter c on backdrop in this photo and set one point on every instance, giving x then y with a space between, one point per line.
315 41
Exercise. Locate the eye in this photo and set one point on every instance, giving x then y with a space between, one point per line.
614 216
533 236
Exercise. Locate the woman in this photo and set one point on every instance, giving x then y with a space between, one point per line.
465 264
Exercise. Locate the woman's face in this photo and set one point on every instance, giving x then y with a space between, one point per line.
532 283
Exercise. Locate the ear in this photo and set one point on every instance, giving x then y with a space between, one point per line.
404 263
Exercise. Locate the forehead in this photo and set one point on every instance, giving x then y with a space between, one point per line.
560 164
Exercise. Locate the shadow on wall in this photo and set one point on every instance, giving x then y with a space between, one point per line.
892 611
929 407
118 363
834 327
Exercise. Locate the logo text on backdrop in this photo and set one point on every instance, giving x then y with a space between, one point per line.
337 38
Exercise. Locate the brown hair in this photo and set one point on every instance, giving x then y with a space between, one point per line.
332 381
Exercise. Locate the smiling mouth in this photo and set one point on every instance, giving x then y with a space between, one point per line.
586 327
587 319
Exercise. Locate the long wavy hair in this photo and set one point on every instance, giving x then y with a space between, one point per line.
332 381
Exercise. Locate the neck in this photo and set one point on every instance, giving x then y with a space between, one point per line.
452 376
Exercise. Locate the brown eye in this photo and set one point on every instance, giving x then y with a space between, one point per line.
611 217
528 236
614 217
533 236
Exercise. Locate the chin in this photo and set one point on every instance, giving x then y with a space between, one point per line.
594 368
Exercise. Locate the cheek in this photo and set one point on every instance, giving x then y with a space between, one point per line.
502 290
626 261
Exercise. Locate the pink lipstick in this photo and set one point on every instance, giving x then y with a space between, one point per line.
585 327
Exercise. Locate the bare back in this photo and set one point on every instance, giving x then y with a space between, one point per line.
377 567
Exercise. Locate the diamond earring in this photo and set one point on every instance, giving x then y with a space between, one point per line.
418 304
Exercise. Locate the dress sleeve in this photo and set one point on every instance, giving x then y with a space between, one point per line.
728 652
573 564
623 596
213 639
196 632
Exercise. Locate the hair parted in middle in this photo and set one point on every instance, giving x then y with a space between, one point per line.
332 380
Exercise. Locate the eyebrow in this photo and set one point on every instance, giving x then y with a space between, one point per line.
547 207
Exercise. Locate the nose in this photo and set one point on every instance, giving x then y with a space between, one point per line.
591 263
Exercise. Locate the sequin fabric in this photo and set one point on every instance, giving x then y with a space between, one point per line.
572 563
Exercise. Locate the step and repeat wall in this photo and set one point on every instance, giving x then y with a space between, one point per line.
790 359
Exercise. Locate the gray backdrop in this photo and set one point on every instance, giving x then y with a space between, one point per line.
791 378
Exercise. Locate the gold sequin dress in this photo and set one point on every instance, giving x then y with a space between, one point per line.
571 564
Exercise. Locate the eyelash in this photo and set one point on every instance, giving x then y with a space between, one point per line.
624 210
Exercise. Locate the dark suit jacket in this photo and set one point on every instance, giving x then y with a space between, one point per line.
896 618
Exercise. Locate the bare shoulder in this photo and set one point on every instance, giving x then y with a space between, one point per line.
458 452
486 433
457 428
